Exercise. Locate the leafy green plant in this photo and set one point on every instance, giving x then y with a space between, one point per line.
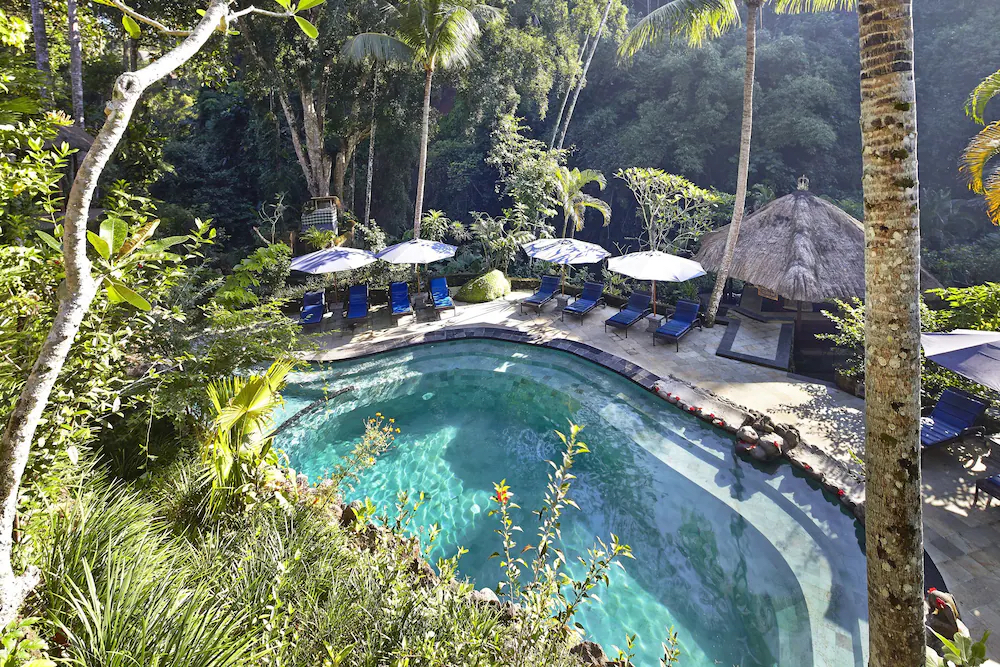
960 651
320 239
239 443
675 212
18 648
501 238
549 598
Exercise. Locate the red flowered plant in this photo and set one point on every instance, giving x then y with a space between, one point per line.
503 492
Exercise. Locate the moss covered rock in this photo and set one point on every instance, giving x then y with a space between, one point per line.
487 287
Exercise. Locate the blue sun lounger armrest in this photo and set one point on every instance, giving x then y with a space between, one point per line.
546 291
592 295
399 300
952 417
313 305
440 294
990 486
357 304
684 319
633 311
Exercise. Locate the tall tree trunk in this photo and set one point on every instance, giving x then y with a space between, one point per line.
41 43
75 62
583 75
312 125
743 172
345 154
76 294
893 520
569 89
418 208
371 150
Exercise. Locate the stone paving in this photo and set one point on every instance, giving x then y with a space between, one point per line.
962 541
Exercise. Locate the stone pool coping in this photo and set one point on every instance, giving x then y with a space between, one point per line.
814 463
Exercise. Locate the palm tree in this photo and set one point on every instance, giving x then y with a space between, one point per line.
430 33
569 194
984 147
696 21
893 522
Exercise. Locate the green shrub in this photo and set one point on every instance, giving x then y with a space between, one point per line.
487 287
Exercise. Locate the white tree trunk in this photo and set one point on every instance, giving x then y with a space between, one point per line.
76 295
570 85
418 208
743 172
41 42
893 519
75 62
371 151
583 75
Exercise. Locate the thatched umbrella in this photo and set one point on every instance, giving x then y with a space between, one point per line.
799 246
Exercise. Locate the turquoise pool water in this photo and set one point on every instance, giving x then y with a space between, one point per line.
753 566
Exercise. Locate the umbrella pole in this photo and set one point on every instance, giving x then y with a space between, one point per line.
654 297
562 279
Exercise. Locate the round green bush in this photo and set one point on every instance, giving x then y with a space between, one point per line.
487 287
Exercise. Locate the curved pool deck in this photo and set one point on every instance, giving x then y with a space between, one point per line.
962 541
754 565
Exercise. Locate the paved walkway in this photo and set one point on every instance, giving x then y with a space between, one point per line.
963 542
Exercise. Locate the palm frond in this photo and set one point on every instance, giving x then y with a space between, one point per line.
589 201
981 150
453 43
991 190
810 6
692 20
980 97
378 46
588 176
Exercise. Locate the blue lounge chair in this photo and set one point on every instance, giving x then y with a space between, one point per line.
633 311
591 296
357 305
990 486
546 291
953 417
684 319
399 300
313 305
440 294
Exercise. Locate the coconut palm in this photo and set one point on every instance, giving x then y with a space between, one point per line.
433 34
984 147
696 21
569 194
893 522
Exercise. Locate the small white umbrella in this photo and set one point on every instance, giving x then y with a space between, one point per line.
565 251
653 265
333 260
417 251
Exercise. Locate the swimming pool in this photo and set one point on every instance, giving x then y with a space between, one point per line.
753 566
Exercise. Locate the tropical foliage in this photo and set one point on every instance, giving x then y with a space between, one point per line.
984 147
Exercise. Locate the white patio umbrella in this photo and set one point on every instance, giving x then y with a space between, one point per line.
417 251
973 354
565 251
333 260
653 265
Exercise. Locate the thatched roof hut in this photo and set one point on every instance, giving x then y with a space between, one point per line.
799 246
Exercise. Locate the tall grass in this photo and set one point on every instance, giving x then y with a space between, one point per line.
129 582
